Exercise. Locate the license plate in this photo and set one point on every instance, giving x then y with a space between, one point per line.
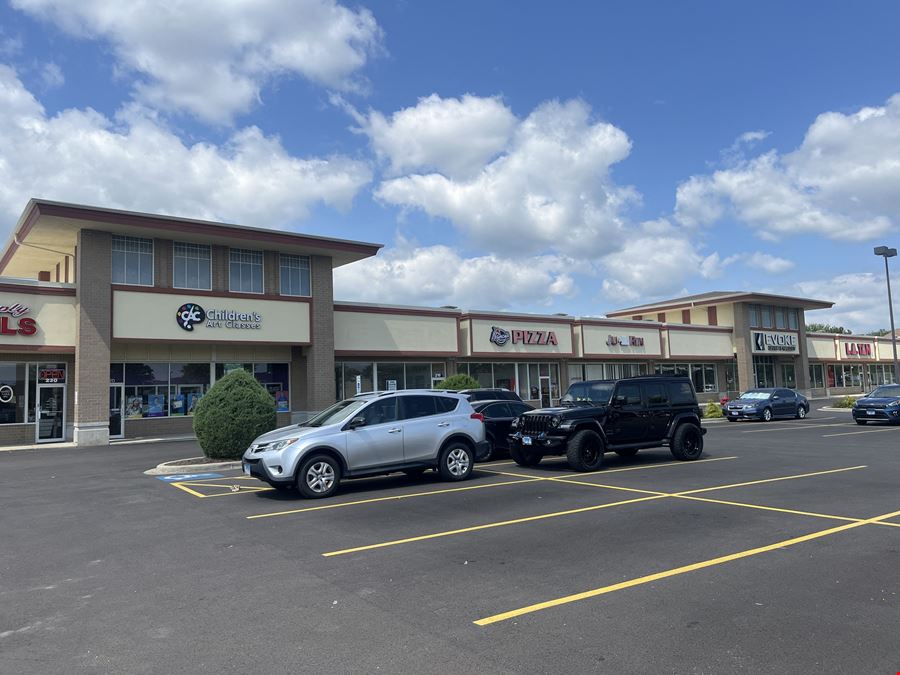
526 440
870 412
247 469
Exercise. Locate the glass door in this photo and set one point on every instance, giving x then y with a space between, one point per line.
116 396
51 413
545 391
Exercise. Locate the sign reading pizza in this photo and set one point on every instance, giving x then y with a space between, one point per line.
14 322
502 337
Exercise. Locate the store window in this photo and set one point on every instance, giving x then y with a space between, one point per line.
390 376
703 375
191 266
14 393
188 382
385 376
532 381
275 377
294 275
767 316
132 260
146 390
245 271
816 376
881 373
605 371
764 371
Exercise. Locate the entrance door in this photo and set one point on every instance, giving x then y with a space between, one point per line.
51 413
116 396
545 391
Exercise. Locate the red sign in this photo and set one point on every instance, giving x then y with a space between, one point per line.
21 326
534 337
858 348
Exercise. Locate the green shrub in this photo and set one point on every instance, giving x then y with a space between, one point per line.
235 411
846 402
459 381
712 410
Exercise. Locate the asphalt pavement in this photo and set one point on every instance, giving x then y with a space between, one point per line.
776 552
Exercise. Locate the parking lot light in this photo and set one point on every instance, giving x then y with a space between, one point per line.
886 253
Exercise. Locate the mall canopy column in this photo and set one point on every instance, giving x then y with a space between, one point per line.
742 348
92 339
803 357
319 385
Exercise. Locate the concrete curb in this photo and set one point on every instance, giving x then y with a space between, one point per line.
830 409
167 469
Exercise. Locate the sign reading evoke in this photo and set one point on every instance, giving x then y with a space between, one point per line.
190 314
766 342
501 336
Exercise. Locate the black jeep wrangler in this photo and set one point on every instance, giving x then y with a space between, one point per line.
620 416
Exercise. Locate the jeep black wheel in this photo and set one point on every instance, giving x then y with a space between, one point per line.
626 453
524 456
585 451
687 443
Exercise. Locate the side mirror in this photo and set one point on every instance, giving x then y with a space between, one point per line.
357 422
775 397
619 401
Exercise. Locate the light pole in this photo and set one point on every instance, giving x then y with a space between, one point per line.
886 253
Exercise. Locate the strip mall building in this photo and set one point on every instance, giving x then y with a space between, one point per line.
113 324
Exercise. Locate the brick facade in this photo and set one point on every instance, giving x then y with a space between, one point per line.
320 391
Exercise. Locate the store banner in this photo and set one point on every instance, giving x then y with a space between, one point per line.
33 320
772 342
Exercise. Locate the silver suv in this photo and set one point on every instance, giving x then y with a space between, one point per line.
377 433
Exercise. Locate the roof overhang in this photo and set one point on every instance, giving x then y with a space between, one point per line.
48 230
725 298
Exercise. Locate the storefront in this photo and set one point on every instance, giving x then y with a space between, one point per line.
115 324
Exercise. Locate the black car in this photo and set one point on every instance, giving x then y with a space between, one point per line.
498 415
490 394
766 404
621 416
882 405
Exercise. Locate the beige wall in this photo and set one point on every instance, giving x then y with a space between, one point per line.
820 348
369 331
699 316
190 352
54 316
481 333
144 316
700 343
886 351
725 315
844 356
595 339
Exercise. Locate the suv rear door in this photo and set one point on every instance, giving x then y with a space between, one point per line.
424 424
659 411
627 416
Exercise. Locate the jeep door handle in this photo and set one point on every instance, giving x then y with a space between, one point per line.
444 424
394 431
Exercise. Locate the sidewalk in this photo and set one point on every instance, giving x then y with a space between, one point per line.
112 443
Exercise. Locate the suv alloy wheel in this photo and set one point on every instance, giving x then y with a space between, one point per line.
585 450
318 477
456 462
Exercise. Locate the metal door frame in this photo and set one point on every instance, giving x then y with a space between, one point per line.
38 411
121 388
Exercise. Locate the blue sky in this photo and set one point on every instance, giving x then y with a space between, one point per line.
577 160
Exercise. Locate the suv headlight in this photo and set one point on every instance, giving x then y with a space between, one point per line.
555 421
893 404
281 445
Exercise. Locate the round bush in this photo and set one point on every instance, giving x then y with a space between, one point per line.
459 381
235 411
712 410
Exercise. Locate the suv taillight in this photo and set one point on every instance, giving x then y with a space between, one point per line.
477 416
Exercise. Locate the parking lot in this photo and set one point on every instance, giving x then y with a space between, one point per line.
776 552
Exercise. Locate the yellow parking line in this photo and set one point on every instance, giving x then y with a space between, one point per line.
794 428
242 491
556 514
678 570
628 468
531 479
187 489
770 508
489 526
867 431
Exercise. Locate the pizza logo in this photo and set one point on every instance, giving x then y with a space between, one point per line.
499 336
189 314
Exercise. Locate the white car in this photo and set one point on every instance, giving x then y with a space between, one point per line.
377 433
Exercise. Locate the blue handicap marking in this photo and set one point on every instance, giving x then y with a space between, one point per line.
188 476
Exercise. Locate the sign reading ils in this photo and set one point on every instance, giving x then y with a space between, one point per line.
501 337
625 341
24 325
858 348
191 314
764 341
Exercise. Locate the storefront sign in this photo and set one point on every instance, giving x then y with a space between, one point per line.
6 394
16 323
501 336
767 342
625 341
52 374
858 348
191 314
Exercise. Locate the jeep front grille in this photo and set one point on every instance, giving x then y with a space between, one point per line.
535 424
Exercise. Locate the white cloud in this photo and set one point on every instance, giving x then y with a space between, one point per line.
768 263
135 162
860 301
550 189
438 275
213 57
840 183
52 76
454 136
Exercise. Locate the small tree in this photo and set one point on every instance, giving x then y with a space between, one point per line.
235 411
459 381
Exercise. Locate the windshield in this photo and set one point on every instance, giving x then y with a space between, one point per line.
337 413
890 391
589 392
756 395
